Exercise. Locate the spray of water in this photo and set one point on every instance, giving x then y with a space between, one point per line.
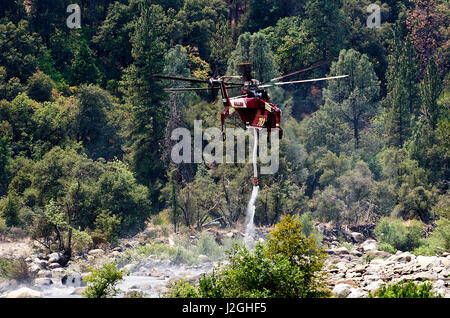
249 219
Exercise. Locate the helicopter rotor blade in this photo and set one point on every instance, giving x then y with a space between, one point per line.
303 81
177 78
316 65
181 89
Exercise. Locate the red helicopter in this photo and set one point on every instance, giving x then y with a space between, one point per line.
253 104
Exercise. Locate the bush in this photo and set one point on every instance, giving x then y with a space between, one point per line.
15 269
207 245
40 87
287 266
439 239
406 290
386 248
181 289
101 283
398 235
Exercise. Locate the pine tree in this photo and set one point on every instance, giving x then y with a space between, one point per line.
145 93
253 49
402 94
430 90
424 21
84 68
354 99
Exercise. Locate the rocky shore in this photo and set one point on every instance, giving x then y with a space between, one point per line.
352 270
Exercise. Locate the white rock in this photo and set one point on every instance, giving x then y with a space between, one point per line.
374 285
357 293
369 245
342 290
130 267
404 257
23 292
53 258
342 266
229 235
96 252
43 281
377 261
425 261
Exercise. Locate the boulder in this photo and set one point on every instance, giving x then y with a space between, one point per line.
404 257
373 286
341 251
357 293
78 291
72 279
369 245
53 258
96 252
23 292
54 265
45 273
357 237
43 281
425 261
342 290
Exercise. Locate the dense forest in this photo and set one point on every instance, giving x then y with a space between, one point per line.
85 127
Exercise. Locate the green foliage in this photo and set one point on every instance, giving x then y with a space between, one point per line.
287 266
5 158
16 269
181 289
355 97
19 49
438 241
84 68
101 283
40 87
406 289
253 49
398 235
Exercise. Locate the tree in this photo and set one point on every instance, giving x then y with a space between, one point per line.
145 93
261 14
92 125
197 20
19 50
288 266
402 97
84 68
253 49
424 21
354 98
5 158
39 87
430 90
320 20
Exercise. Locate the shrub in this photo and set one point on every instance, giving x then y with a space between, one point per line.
287 266
398 235
406 290
207 245
439 239
181 289
15 269
101 283
40 87
386 247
